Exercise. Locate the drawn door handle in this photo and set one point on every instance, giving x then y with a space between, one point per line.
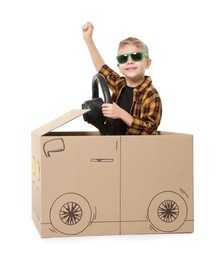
102 160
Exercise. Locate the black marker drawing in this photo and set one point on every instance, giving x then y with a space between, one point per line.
70 214
53 146
167 211
102 160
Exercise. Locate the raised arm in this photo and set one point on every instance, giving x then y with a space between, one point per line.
97 59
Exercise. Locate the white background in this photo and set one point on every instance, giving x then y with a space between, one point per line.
45 71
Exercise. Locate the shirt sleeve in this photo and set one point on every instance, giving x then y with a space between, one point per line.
115 82
149 119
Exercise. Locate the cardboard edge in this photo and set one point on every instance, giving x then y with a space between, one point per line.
36 222
69 116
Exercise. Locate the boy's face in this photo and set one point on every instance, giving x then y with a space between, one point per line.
134 71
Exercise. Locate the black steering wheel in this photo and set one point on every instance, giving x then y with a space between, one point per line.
95 116
99 80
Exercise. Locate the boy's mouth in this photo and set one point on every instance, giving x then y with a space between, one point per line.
131 68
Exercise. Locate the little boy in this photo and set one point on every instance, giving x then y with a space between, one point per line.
137 107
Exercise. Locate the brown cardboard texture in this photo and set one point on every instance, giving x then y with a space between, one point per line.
87 184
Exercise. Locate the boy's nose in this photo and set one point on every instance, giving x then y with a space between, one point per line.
129 60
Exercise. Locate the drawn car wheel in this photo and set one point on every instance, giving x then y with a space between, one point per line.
167 211
70 214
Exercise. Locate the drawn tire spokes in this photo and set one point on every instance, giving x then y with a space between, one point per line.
70 213
168 211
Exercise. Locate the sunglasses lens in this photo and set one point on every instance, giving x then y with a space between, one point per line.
136 56
122 59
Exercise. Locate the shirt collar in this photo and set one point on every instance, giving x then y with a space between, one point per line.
146 83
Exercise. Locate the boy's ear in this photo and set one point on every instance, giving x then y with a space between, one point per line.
118 65
149 61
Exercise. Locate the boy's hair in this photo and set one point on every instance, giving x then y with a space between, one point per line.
136 42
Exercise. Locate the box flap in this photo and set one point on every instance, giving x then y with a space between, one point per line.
60 121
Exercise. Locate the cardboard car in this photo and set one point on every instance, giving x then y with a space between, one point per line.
85 184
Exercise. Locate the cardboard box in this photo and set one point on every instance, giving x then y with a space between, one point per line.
86 184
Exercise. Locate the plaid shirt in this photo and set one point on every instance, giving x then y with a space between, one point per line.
146 105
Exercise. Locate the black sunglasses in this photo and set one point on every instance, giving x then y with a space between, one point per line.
135 56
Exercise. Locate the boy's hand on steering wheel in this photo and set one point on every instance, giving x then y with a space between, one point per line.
111 110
